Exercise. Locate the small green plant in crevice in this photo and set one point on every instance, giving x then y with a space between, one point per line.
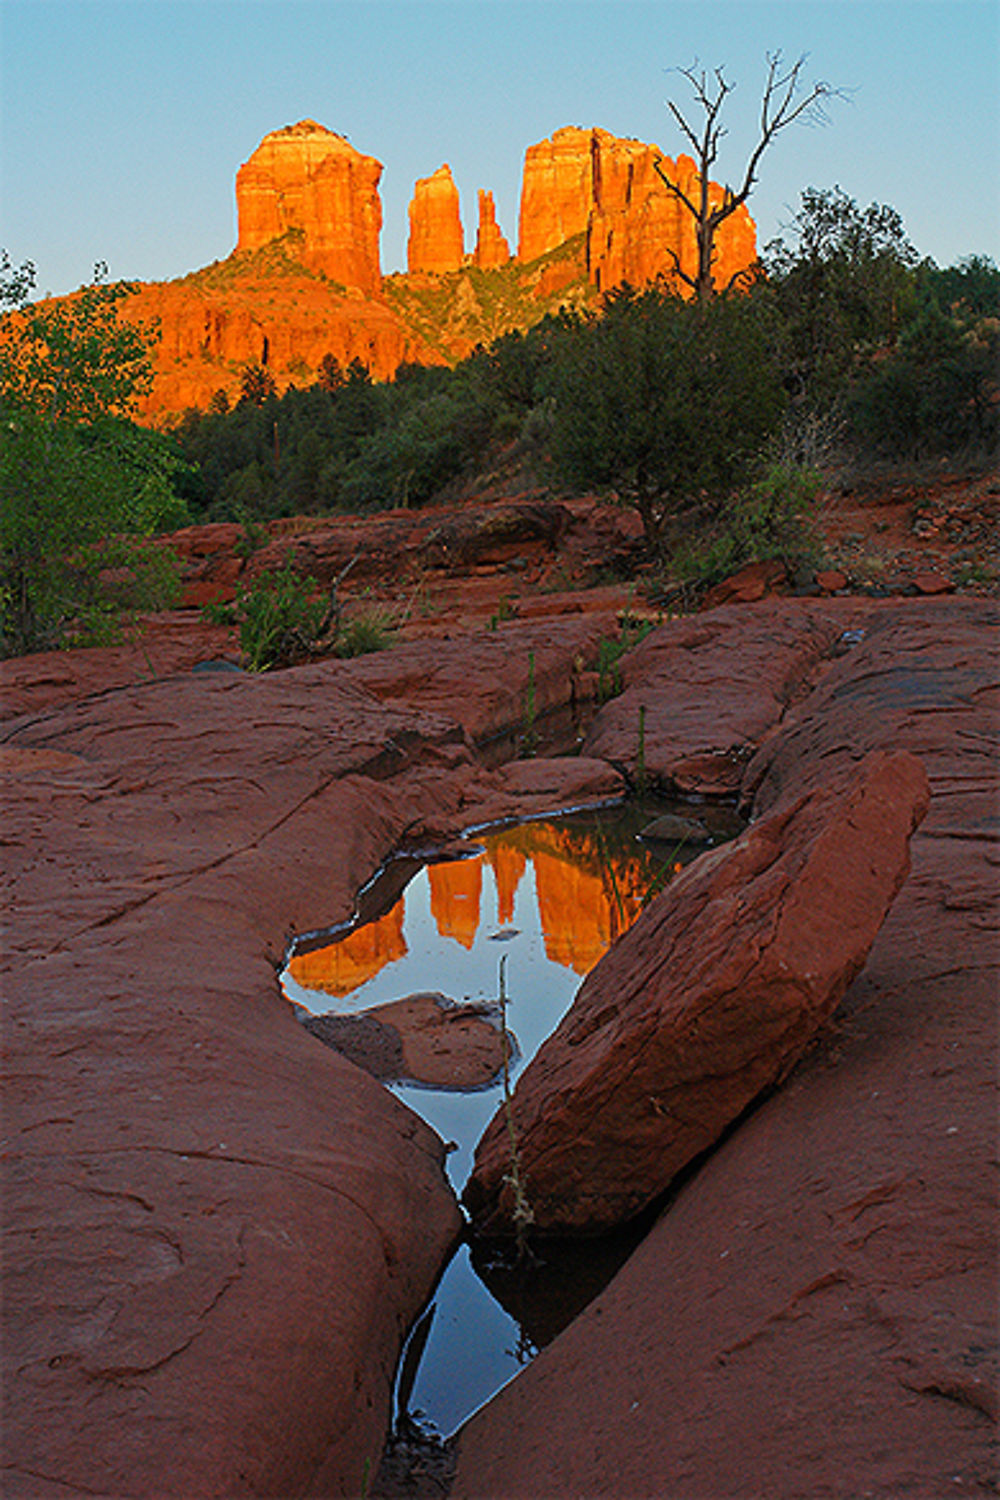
523 1214
610 652
220 612
373 631
641 778
529 738
279 619
505 610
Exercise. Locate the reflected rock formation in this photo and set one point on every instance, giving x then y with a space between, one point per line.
587 896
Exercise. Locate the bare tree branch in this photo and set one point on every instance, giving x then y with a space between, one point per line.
782 103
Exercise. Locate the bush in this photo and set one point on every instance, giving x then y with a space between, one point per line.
374 631
935 394
665 404
769 518
70 572
80 484
279 619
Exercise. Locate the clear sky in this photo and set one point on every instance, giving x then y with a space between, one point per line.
124 121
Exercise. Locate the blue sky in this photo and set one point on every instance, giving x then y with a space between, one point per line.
123 124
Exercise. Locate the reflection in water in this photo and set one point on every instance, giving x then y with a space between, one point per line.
587 891
552 897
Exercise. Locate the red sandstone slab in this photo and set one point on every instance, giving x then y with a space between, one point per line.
710 998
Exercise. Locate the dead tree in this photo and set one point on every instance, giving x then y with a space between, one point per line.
783 103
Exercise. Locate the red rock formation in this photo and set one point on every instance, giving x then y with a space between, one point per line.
557 191
711 998
210 330
306 178
589 181
492 249
436 242
456 889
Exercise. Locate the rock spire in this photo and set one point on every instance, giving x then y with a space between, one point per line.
436 242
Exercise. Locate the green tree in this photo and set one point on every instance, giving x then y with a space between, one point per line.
935 393
665 404
80 484
843 283
256 385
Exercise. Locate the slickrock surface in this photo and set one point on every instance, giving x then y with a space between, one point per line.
308 179
436 243
710 999
709 689
816 1309
217 1230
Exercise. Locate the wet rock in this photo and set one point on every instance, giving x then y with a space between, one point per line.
364 1041
707 1001
673 829
424 1038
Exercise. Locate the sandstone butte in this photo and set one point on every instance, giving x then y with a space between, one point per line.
305 279
309 179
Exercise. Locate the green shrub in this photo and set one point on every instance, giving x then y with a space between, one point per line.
610 653
365 633
935 394
768 519
279 619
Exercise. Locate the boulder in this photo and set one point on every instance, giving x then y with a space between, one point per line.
671 828
709 1000
423 1038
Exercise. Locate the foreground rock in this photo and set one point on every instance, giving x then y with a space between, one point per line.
217 1231
816 1311
702 693
424 1038
709 999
